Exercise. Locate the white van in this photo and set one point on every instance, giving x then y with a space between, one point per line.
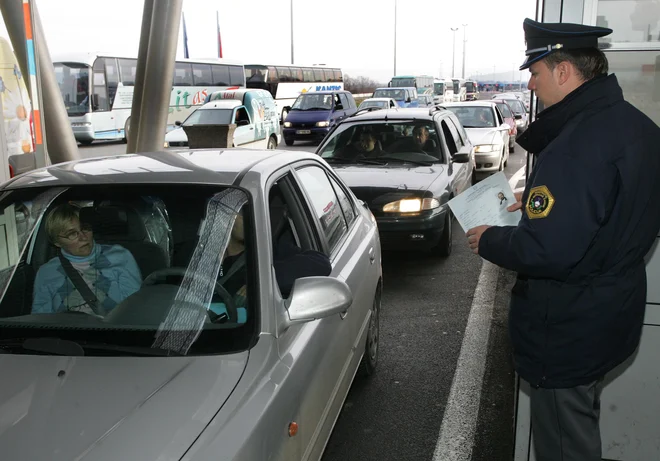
253 111
443 90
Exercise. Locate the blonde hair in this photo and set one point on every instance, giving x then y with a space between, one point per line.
59 218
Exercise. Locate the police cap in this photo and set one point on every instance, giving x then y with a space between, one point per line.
544 38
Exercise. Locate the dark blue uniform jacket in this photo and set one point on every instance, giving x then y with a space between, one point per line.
590 215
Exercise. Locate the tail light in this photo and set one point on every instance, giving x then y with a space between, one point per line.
11 171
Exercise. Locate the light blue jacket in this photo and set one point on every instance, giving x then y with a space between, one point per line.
117 277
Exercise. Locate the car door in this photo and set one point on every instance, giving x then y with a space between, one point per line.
352 247
503 130
244 133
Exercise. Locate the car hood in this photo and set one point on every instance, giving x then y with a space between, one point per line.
176 135
380 185
482 135
110 408
308 116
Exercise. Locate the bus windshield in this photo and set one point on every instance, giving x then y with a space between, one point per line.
73 80
439 88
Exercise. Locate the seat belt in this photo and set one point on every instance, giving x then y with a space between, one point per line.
80 285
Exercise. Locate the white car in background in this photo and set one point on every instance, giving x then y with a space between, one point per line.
488 133
379 103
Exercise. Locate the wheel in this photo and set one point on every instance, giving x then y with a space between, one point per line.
127 129
445 245
272 143
288 142
370 357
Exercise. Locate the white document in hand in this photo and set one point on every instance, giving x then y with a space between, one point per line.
486 203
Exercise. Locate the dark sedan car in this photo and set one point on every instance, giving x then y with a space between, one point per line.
405 166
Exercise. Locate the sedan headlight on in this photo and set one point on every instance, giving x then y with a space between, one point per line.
323 123
485 148
411 205
287 124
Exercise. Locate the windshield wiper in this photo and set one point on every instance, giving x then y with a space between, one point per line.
57 346
317 108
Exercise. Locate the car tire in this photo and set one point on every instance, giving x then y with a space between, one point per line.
445 245
371 346
288 142
272 143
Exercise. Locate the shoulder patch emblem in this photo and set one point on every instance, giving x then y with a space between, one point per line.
539 203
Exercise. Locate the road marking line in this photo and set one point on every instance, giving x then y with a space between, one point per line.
517 176
459 423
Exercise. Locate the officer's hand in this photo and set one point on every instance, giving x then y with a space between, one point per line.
518 205
474 235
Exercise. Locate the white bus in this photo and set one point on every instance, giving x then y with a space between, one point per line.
286 83
98 91
460 92
443 90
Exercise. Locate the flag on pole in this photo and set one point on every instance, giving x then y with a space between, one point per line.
186 55
217 17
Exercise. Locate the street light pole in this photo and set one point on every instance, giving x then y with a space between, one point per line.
395 1
453 55
291 32
464 40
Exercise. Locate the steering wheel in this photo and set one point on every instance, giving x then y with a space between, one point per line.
156 276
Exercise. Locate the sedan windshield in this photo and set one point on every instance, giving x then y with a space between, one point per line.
384 143
116 270
474 117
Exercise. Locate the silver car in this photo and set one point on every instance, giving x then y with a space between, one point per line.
231 297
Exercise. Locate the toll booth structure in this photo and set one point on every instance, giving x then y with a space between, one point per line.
630 402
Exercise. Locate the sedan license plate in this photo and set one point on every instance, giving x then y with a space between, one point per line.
303 132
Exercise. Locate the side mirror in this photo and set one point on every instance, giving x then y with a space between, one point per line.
177 123
518 116
460 157
318 297
286 108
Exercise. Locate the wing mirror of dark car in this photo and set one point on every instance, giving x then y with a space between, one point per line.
460 157
178 123
518 116
316 298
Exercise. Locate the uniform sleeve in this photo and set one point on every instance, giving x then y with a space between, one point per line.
565 207
294 263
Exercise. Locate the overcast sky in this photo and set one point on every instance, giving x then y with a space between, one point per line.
356 35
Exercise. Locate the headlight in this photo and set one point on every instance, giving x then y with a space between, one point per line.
411 205
324 123
166 144
287 124
485 148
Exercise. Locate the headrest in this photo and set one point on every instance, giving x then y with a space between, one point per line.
114 222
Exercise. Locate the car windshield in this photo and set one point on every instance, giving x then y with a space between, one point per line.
209 117
313 102
384 142
474 116
439 88
367 104
398 95
127 269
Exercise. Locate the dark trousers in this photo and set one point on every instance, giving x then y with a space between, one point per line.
565 423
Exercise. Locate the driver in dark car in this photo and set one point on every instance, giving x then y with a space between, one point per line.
85 276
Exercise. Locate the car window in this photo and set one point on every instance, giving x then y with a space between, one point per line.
449 137
454 133
500 119
505 110
345 201
344 101
138 264
460 128
242 115
325 204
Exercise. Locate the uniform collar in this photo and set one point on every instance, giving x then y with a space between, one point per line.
592 96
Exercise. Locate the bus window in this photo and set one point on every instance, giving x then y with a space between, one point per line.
318 75
236 76
111 77
182 74
202 74
220 75
329 75
100 101
128 69
296 74
255 74
272 75
284 74
338 77
308 75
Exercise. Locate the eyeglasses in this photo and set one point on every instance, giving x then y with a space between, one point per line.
75 234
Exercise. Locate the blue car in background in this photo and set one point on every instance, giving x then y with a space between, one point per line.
404 96
314 113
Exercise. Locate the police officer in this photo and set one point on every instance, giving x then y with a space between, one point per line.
589 216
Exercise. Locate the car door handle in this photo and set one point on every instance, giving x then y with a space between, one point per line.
372 255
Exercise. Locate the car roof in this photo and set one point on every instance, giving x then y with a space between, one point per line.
470 103
195 166
378 99
327 92
395 114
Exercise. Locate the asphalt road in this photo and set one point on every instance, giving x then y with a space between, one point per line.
397 413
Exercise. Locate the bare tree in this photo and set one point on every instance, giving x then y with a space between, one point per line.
360 85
